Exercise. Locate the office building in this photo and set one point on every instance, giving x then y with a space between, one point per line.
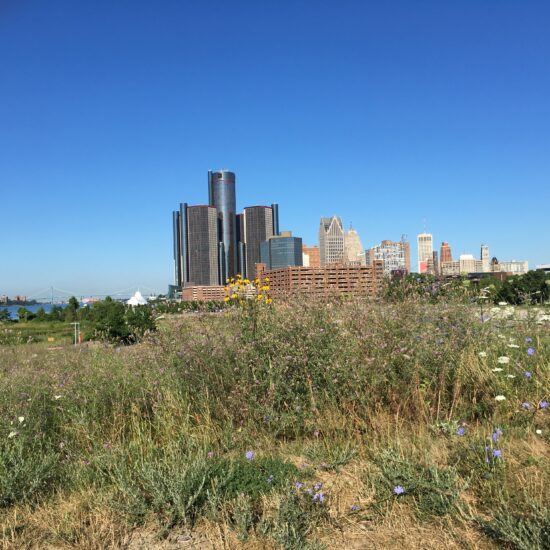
425 251
207 252
221 196
515 267
311 256
445 254
354 254
486 263
543 267
331 241
257 224
324 281
282 250
202 235
396 256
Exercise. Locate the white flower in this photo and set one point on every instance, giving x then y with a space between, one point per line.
21 419
500 398
501 336
510 376
503 360
12 434
57 397
497 369
503 303
482 354
515 346
538 432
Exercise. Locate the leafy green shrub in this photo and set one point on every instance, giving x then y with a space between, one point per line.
177 483
433 491
529 530
28 470
296 517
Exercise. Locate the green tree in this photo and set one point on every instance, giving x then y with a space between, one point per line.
40 314
24 314
139 320
4 315
71 310
56 314
109 320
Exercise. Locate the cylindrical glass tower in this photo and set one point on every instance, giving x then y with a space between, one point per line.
221 195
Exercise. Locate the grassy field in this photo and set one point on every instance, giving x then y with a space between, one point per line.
301 425
52 332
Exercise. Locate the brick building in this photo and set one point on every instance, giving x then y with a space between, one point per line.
323 281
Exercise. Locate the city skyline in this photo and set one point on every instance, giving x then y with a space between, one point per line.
409 118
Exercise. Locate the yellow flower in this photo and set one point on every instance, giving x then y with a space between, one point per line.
226 299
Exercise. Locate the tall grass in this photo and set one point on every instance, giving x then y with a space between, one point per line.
390 394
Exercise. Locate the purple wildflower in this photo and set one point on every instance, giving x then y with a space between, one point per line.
270 479
398 490
210 454
298 485
309 491
525 405
354 508
461 431
497 453
249 455
527 374
320 497
317 486
543 405
530 351
528 340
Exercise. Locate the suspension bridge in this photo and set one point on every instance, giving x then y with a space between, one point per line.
55 295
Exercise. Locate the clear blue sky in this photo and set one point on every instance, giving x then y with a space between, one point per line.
385 113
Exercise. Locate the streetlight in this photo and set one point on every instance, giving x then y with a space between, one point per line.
76 332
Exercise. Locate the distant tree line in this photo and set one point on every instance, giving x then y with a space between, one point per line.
530 288
107 319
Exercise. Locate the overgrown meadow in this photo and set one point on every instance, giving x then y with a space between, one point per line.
297 425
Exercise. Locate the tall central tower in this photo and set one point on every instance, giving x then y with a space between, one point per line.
221 195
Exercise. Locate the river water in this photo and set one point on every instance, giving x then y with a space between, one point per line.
32 309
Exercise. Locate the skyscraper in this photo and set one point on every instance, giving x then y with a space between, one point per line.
425 251
354 254
395 255
221 195
202 245
445 254
485 262
331 241
257 226
281 250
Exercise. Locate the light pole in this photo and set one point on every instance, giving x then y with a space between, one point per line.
76 332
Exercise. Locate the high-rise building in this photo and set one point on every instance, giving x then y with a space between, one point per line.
485 262
354 254
258 224
445 254
221 195
331 241
202 245
280 251
425 251
311 256
395 255
233 240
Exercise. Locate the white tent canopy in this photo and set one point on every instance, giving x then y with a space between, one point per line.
137 300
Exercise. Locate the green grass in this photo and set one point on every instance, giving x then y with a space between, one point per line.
22 332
